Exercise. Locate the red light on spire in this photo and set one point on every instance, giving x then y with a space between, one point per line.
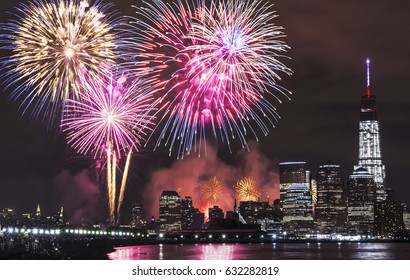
368 77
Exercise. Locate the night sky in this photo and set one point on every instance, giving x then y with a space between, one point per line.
329 40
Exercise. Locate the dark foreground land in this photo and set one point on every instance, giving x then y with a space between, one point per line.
47 248
56 249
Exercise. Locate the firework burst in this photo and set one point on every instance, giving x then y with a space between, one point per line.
112 112
238 46
211 190
246 190
157 39
110 120
51 43
157 45
221 61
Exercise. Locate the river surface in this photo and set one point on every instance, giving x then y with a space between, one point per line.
265 251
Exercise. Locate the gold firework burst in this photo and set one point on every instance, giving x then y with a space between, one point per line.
52 44
211 190
246 190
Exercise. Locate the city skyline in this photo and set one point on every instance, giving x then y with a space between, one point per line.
330 43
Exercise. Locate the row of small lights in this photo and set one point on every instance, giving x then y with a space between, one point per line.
340 237
352 237
36 231
31 231
98 232
210 236
67 231
274 236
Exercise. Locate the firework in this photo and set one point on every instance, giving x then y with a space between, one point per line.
246 190
221 61
237 45
157 39
313 191
110 120
112 113
157 49
123 183
180 190
211 190
51 43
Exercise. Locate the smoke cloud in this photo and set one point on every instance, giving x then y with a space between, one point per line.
187 175
262 169
79 195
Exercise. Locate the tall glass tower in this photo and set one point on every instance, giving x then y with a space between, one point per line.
361 197
169 211
330 207
292 173
370 156
295 198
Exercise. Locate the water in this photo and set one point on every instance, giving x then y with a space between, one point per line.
265 251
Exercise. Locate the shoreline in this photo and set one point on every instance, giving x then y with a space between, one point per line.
98 249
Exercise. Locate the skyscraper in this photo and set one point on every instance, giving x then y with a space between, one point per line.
198 219
361 201
370 156
137 221
388 218
296 199
170 211
252 211
186 213
331 209
215 213
291 173
38 212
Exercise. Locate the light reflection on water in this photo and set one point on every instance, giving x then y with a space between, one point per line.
265 251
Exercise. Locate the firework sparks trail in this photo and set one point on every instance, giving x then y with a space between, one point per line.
112 118
217 65
112 186
246 190
211 190
109 184
123 183
51 43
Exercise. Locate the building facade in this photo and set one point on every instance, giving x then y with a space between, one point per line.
170 217
252 211
388 216
198 219
296 198
136 211
330 210
292 173
370 156
186 213
406 221
215 213
361 195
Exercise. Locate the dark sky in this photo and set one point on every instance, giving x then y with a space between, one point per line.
329 40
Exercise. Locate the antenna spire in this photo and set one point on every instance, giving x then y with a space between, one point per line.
368 77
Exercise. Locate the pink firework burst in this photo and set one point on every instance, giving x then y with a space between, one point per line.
110 118
216 63
112 113
238 45
157 45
